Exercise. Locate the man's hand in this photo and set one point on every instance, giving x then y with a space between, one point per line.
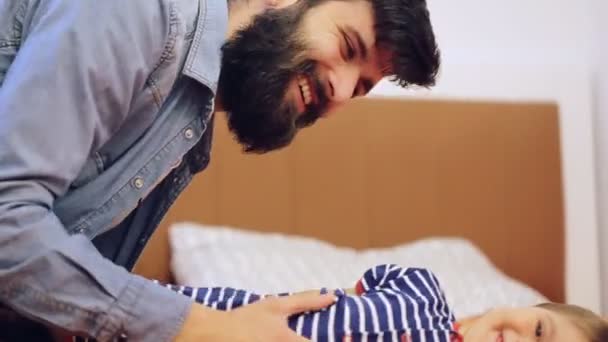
264 321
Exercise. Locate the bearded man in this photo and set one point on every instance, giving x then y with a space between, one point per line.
106 111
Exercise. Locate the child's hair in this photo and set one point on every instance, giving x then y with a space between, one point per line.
593 327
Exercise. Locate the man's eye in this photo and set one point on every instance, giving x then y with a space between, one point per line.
539 330
350 50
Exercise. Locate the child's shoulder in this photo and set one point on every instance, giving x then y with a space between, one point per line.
385 274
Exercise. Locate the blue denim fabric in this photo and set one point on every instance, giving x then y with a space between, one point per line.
105 116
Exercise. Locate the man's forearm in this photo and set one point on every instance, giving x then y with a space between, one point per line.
68 284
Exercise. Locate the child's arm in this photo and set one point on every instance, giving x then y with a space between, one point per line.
226 298
379 276
220 298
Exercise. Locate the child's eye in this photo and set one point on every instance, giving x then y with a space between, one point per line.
539 330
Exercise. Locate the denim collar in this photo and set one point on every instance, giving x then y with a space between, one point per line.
204 59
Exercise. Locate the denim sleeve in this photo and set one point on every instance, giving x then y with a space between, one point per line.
68 89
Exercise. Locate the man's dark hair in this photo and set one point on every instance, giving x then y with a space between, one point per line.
404 28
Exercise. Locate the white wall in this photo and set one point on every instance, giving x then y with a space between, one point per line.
539 32
600 82
533 50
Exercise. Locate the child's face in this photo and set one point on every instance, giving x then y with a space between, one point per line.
523 325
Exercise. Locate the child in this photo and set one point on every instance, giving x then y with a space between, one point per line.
397 304
390 303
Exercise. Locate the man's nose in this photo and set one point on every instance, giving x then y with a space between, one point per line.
343 81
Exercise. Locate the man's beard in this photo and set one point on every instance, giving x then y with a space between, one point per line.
258 65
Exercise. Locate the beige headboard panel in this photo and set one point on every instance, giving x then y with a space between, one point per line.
383 172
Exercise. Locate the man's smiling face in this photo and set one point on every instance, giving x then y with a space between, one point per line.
297 63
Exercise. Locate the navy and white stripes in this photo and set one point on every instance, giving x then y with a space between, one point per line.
395 304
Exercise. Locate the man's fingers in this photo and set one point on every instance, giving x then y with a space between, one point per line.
302 302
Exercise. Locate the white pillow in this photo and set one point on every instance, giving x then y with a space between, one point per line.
272 263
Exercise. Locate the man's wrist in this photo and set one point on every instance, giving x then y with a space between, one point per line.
158 314
199 324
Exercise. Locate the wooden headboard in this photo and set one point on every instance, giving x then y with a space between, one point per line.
385 171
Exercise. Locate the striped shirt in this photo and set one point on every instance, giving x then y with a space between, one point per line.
392 304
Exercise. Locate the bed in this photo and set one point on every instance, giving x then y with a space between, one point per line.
383 176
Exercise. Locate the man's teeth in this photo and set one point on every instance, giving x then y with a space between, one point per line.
305 89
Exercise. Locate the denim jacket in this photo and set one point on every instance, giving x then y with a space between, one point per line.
105 115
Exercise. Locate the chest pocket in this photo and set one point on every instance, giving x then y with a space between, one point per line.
140 119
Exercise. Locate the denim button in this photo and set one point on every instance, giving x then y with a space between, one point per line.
138 182
189 133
